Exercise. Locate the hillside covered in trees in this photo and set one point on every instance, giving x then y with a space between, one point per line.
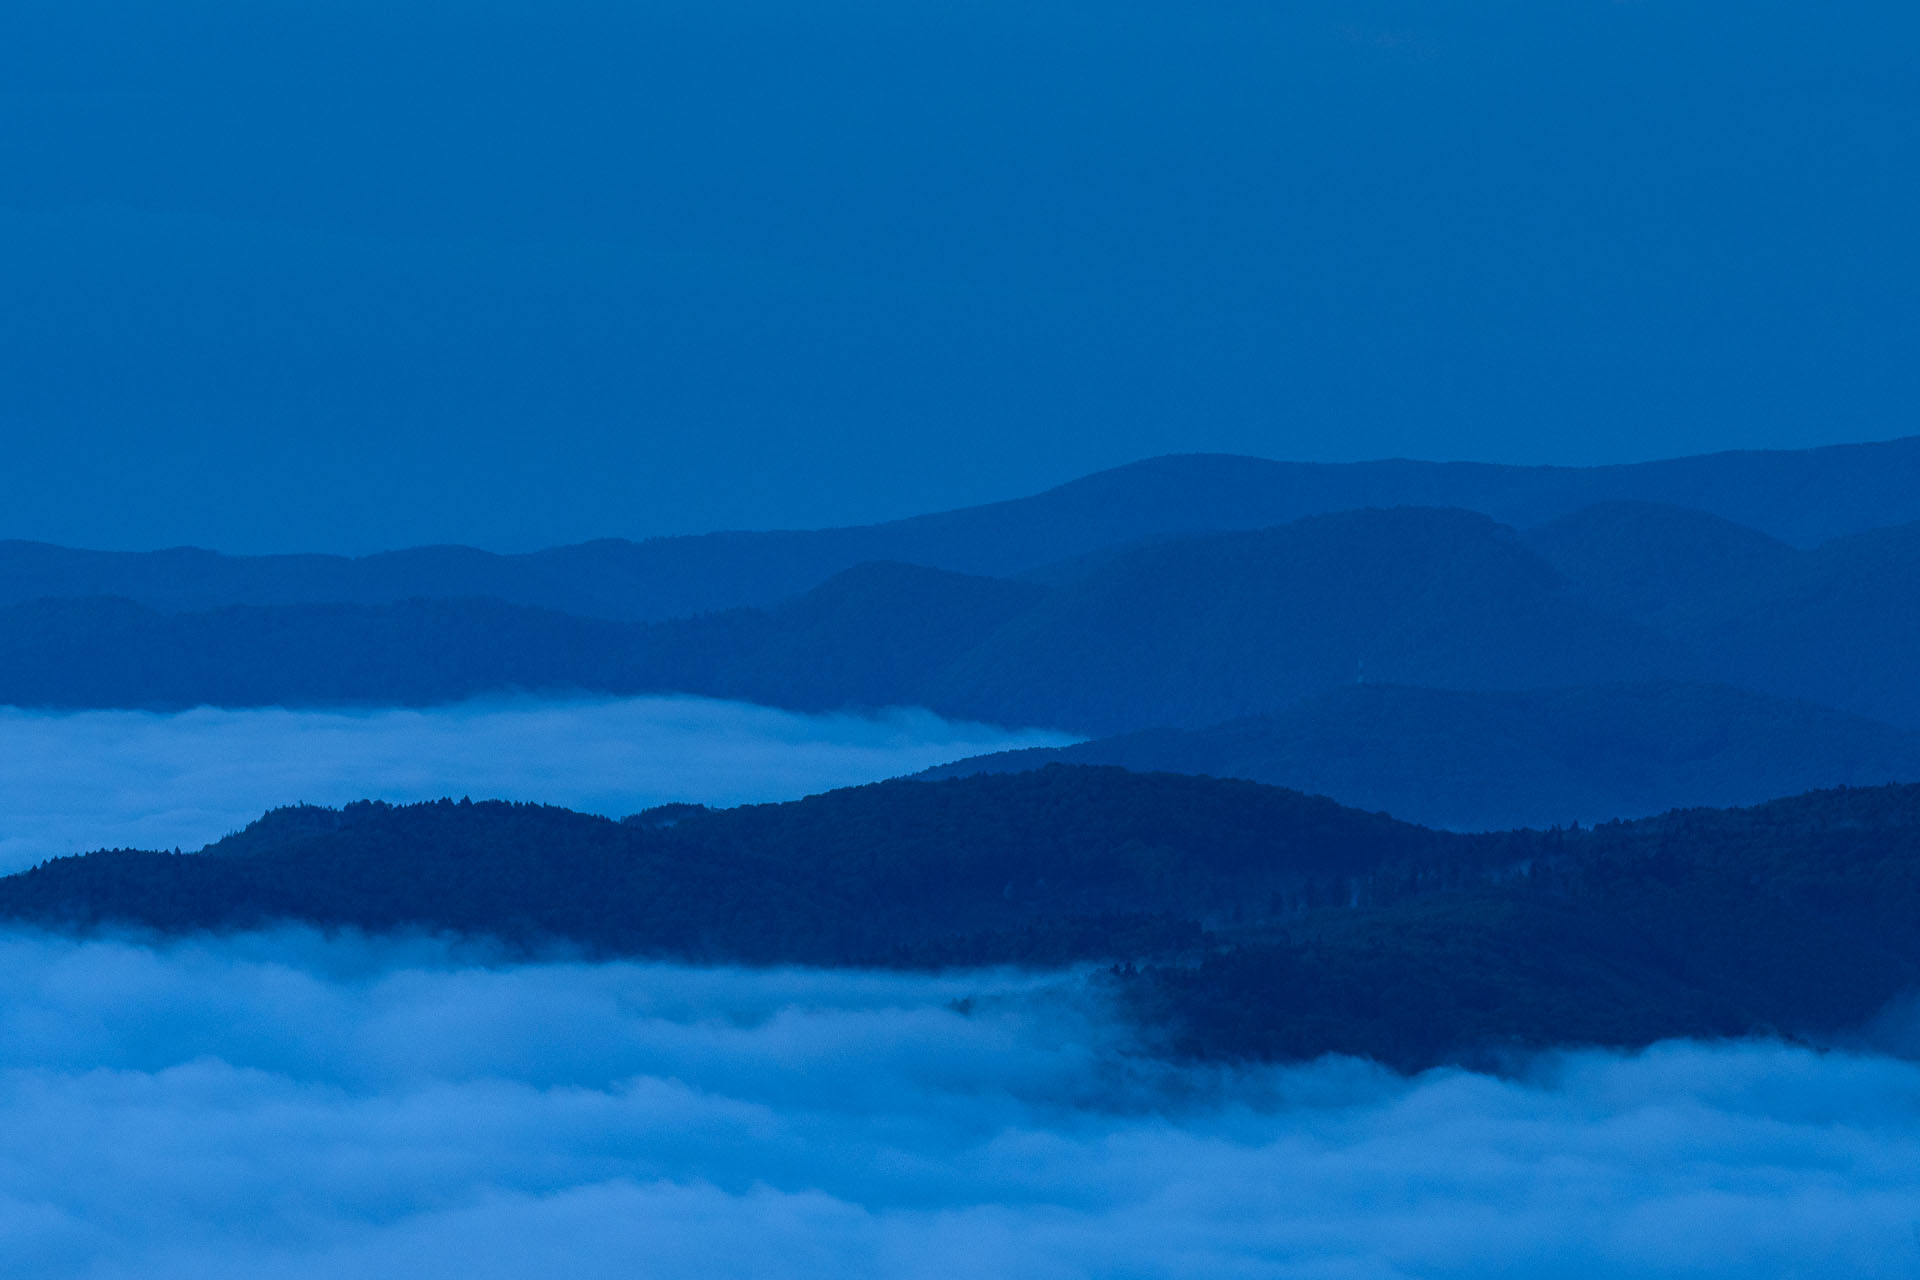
1239 920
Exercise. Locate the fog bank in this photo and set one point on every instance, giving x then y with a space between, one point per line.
78 781
284 1106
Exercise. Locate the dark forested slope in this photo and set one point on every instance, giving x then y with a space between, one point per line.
1790 918
902 871
1246 921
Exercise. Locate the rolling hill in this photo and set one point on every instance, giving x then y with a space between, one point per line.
1196 631
1240 921
1634 559
1477 761
894 873
1186 632
1801 497
1835 625
1169 633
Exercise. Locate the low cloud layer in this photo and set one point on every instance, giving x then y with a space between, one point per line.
287 1106
73 782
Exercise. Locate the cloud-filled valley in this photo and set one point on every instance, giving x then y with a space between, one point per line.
914 642
95 779
287 1105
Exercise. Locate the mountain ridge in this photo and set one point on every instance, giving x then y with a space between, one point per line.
1165 632
1803 497
1241 921
1487 761
1184 632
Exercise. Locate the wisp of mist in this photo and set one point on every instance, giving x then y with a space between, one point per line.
287 1105
71 782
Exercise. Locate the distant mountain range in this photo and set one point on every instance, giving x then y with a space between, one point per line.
1476 761
1635 559
1612 659
1477 648
1800 497
1835 625
1183 633
1195 631
1242 921
1177 633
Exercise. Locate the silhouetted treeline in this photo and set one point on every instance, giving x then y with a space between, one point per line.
1243 921
891 873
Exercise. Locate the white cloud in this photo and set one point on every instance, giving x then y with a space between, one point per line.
287 1106
79 781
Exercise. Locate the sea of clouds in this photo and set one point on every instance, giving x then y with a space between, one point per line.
288 1105
294 1105
73 782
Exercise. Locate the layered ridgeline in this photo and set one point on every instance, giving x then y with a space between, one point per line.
1801 497
1180 633
1244 921
1481 761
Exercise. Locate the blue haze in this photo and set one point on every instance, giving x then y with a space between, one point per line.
350 275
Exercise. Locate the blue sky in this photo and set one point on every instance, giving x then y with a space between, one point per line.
344 275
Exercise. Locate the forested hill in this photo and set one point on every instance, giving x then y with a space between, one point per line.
1245 920
898 872
1801 497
